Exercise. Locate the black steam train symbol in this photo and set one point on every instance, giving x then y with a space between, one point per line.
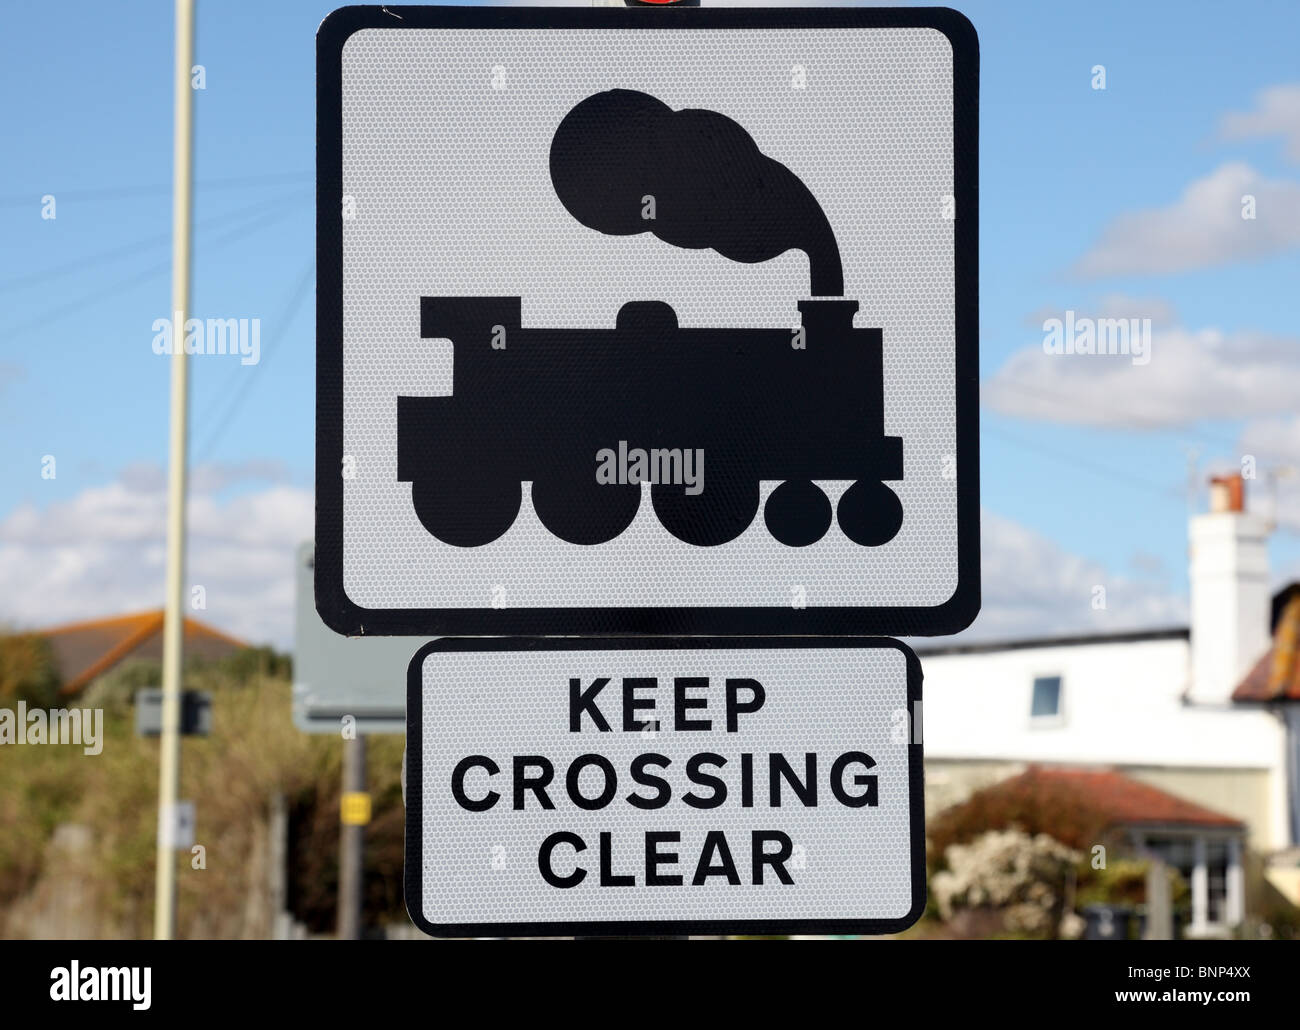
793 405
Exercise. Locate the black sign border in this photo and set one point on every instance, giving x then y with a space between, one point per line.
414 793
341 614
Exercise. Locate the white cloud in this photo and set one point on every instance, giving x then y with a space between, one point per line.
1032 587
208 477
1276 436
1192 375
1203 228
102 553
1112 305
214 476
1121 305
1276 113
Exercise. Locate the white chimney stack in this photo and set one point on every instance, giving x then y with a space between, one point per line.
1230 592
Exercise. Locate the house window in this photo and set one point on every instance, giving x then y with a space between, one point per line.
1045 704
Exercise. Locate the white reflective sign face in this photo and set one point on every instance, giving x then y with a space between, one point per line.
691 786
647 321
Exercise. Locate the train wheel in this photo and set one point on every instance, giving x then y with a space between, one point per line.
870 513
466 510
720 513
798 513
580 510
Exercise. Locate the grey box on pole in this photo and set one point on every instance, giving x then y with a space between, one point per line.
336 676
196 713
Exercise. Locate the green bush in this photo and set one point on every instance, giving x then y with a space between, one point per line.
254 752
1124 882
27 671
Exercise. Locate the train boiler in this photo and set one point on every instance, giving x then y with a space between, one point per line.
757 406
792 404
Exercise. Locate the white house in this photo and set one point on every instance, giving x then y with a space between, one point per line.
1156 707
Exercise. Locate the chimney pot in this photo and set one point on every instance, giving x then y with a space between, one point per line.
1228 493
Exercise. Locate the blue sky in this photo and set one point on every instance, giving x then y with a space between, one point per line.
1076 493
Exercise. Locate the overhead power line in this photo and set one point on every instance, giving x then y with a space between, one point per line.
157 242
243 379
151 189
234 234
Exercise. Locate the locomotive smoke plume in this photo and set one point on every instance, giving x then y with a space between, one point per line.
712 186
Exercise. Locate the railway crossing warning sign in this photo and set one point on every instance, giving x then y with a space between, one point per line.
638 321
586 786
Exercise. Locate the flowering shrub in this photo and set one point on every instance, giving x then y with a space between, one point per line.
1023 877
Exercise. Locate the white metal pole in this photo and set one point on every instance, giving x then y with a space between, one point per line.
164 920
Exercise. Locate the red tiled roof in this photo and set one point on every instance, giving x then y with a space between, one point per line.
1276 676
84 651
1123 801
1076 806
